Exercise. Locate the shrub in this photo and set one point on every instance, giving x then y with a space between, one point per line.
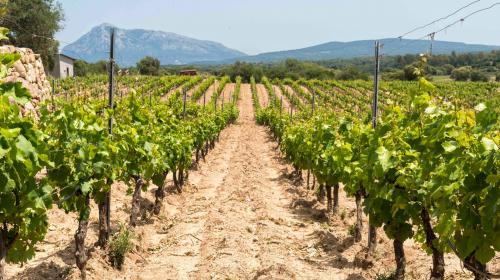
119 246
478 76
462 73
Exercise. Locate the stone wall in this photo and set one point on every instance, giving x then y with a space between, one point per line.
30 72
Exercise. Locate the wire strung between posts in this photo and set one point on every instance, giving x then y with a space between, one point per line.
439 19
486 274
432 34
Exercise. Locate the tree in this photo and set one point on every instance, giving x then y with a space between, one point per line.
33 24
410 73
149 66
352 73
83 68
478 76
498 77
461 74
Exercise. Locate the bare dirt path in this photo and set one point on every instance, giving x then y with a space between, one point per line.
227 93
208 94
262 94
292 92
281 96
238 224
190 92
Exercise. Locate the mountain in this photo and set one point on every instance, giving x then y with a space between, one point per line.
174 49
364 48
132 45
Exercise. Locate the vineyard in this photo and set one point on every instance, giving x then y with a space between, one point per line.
207 178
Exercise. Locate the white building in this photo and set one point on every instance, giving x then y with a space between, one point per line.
63 66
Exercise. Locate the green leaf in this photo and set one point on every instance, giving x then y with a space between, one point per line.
488 144
86 187
484 254
384 157
449 146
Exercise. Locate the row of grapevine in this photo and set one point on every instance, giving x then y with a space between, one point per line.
148 142
428 171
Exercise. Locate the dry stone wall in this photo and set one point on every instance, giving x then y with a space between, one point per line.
30 72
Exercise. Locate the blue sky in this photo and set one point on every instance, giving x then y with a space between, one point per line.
261 26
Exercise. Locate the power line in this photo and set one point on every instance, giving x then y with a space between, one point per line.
30 33
431 35
439 19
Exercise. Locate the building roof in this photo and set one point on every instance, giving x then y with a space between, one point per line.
67 56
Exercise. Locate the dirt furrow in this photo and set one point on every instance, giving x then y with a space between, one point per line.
281 96
262 94
208 94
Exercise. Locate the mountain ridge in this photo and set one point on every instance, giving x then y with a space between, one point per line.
174 49
131 45
364 48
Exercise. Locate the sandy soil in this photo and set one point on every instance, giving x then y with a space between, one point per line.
279 94
291 91
262 94
227 93
241 216
192 90
208 94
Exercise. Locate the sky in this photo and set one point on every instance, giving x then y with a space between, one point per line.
256 26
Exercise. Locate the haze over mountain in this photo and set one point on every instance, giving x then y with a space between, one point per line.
133 45
171 48
364 48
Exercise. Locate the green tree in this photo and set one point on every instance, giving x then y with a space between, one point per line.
33 24
478 76
352 73
461 74
149 66
410 73
498 77
83 68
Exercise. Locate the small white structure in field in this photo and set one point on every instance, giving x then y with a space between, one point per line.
63 66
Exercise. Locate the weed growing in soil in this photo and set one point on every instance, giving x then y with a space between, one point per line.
351 230
119 246
385 276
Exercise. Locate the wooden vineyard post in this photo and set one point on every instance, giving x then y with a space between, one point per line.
184 100
53 93
281 104
372 231
204 98
313 101
106 207
222 105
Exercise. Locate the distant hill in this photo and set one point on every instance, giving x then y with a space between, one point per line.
347 50
133 45
174 49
